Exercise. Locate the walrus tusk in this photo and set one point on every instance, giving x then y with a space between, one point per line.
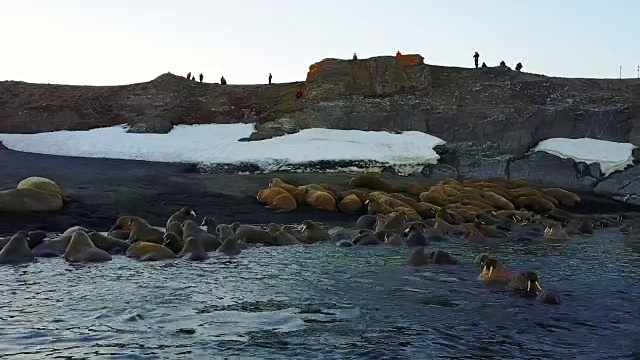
193 213
490 270
538 286
528 285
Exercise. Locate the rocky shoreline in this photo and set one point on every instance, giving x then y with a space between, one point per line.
104 189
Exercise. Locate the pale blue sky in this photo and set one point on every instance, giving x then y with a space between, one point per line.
104 42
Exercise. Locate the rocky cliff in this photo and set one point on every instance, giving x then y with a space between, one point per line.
490 117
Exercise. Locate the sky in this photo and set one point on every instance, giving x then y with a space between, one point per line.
111 42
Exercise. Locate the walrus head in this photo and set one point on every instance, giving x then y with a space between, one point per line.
489 265
124 223
533 281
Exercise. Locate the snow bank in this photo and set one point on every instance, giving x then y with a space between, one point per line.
612 156
218 144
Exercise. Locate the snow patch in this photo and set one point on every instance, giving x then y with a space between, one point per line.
216 145
612 156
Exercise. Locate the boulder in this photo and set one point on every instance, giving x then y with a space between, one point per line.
150 125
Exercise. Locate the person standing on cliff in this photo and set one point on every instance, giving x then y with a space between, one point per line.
355 57
518 66
270 77
398 54
223 81
201 77
476 57
189 76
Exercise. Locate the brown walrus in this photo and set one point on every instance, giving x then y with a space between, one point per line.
148 251
350 204
193 250
17 250
313 232
191 229
186 213
492 269
320 200
230 247
372 182
107 243
255 235
139 230
277 199
292 190
82 250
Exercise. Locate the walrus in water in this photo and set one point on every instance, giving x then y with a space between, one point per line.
492 269
338 233
17 250
255 235
366 238
34 238
193 250
283 238
173 242
418 257
211 225
391 222
440 257
414 235
109 244
548 297
57 247
555 232
366 222
476 237
526 282
230 247
186 213
393 240
208 241
313 232
582 227
82 250
148 251
224 231
140 230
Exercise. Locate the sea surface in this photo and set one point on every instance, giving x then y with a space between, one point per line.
324 302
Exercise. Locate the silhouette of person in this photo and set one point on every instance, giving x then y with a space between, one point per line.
518 66
476 56
201 77
503 64
398 53
193 78
355 57
484 64
223 81
189 76
270 77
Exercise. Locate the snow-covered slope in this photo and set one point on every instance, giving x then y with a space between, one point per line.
612 156
215 144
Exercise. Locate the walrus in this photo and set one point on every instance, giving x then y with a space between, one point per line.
107 243
372 182
314 232
34 238
119 234
148 251
43 184
208 241
548 297
320 200
585 227
333 192
350 204
277 199
375 207
139 229
525 282
297 195
434 235
186 213
534 203
29 200
366 238
224 231
56 247
283 238
230 247
211 225
338 233
434 196
273 228
492 269
344 243
363 195
82 250
193 250
415 189
449 216
414 235
390 222
555 232
476 237
564 197
497 201
176 228
366 222
486 231
17 250
173 242
443 226
255 235
440 257
426 211
418 257
560 215
393 240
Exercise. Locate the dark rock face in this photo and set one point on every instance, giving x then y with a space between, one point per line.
623 186
2 147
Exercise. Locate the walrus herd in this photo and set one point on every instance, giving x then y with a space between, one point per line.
482 212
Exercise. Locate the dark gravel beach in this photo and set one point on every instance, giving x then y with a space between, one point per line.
103 189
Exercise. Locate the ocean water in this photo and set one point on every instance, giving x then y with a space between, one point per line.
323 302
